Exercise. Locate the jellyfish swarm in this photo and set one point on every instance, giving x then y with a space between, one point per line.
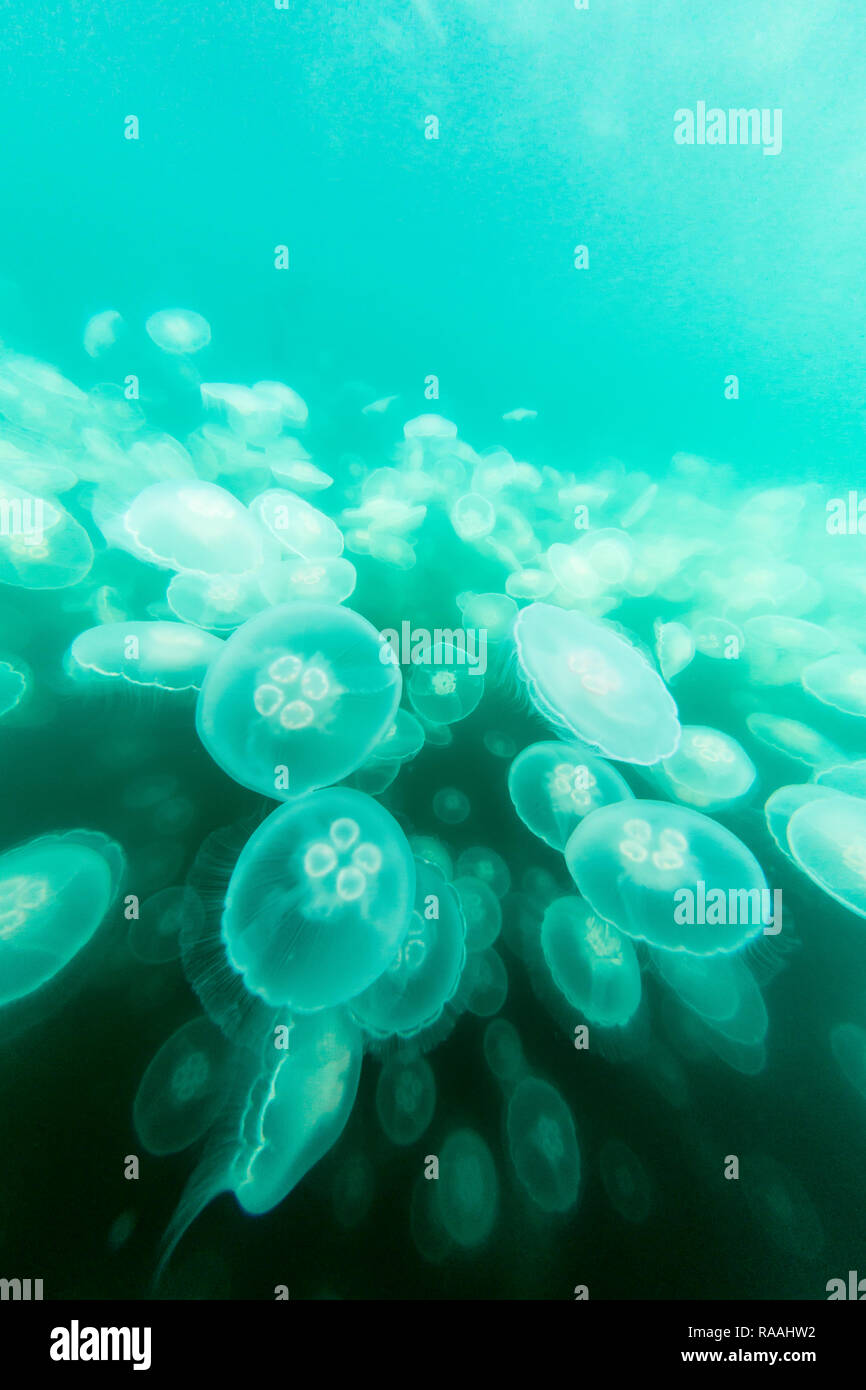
405 1099
320 900
425 971
301 688
181 1092
543 1145
54 892
670 876
587 680
554 785
593 965
827 840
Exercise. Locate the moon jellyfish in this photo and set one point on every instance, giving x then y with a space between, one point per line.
301 688
554 785
451 806
839 681
101 332
429 427
352 1192
13 687
299 527
780 1205
583 677
827 839
675 648
467 1191
172 656
780 807
481 910
487 865
178 331
483 984
472 516
543 1145
793 739
405 1099
425 971
187 524
445 689
54 892
500 745
492 614
718 638
848 1043
331 579
402 741
778 648
41 545
503 1051
182 1091
155 936
670 876
847 777
625 1180
320 900
429 848
709 770
593 965
217 602
529 583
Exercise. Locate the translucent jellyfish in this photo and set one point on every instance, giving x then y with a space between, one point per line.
435 852
320 900
780 1205
101 332
492 614
486 864
625 1180
483 984
172 656
328 580
499 744
292 409
473 516
445 688
352 1192
467 1190
675 648
583 677
778 647
593 965
848 1043
178 331
709 770
155 936
54 892
13 687
402 741
554 785
194 525
530 583
839 681
847 777
793 739
543 1145
405 1099
780 807
183 1089
303 688
217 602
827 839
719 989
451 805
298 526
718 638
425 971
41 545
429 427
503 1051
481 910
670 876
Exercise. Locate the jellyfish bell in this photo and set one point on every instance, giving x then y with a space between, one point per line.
793 739
155 935
178 331
444 686
299 527
709 770
301 688
467 1192
481 910
188 524
675 648
838 681
783 802
170 656
42 546
216 602
585 678
484 984
625 1181
182 1090
405 1098
827 840
554 785
593 965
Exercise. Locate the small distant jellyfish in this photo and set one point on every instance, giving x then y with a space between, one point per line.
554 785
827 840
352 1193
717 638
670 876
625 1180
178 331
54 892
499 744
481 910
490 614
839 681
467 1191
779 647
484 984
848 1044
171 656
183 1089
405 1099
709 985
300 687
320 900
330 579
402 741
585 678
472 516
593 965
543 1145
447 687
779 1203
435 852
487 865
101 332
709 770
451 806
155 936
794 739
529 583
675 648
503 1051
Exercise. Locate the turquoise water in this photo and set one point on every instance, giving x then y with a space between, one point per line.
648 448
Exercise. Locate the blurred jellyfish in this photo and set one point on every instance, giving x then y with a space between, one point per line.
499 744
481 910
451 806
483 984
492 614
402 741
670 876
405 1099
593 965
486 864
780 1205
429 427
625 1180
848 1044
847 777
793 739
778 647
554 785
181 1092
675 648
718 638
54 892
503 1052
543 1145
172 656
473 516
155 936
193 525
435 852
425 971
352 1193
583 677
444 688
827 840
467 1191
529 583
41 545
839 681
780 807
178 331
320 900
101 332
709 770
299 527
13 687
300 688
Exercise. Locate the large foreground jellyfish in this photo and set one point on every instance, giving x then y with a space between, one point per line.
586 679
181 1092
543 1145
54 892
670 876
187 524
554 785
593 965
298 698
320 900
709 770
171 656
827 839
